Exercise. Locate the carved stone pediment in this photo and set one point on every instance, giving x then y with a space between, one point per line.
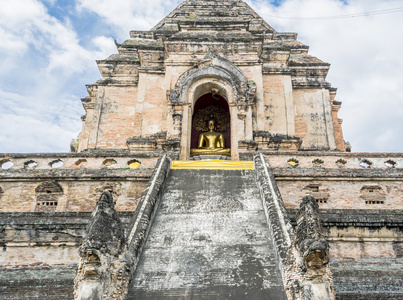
214 65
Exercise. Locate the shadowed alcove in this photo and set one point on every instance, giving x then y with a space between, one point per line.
210 105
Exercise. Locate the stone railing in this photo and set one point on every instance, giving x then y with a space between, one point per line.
116 160
47 161
146 209
335 160
313 281
274 208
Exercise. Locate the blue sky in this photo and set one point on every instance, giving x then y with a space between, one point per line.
49 48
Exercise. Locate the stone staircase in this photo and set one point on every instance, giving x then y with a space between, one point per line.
209 240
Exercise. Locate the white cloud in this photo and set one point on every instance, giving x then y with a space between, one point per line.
43 136
45 64
129 15
365 53
105 45
43 73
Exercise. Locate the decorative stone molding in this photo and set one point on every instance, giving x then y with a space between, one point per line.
170 145
373 194
215 66
318 191
47 196
276 142
280 226
141 144
146 210
247 146
157 142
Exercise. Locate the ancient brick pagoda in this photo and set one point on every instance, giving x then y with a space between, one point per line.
213 162
274 91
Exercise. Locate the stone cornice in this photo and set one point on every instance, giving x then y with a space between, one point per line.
337 174
357 217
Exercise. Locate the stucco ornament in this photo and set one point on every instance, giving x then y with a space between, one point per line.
215 66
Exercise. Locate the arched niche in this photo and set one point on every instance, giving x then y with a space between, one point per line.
204 86
207 105
231 84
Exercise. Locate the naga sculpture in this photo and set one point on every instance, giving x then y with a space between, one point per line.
102 271
309 237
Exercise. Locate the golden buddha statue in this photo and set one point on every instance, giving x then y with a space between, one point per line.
211 142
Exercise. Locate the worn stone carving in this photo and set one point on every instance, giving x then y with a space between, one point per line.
173 97
148 144
102 271
276 142
251 91
309 237
107 262
215 65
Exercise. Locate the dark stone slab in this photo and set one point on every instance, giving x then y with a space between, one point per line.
368 278
41 282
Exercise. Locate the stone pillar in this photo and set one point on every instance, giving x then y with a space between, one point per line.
96 117
186 130
289 106
327 111
86 127
338 132
234 132
241 123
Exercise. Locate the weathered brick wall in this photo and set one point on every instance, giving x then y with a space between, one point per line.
366 252
78 195
276 103
113 122
53 282
313 119
80 179
39 254
83 177
344 194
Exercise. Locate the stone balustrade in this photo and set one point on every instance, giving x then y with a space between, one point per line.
73 161
306 160
309 160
